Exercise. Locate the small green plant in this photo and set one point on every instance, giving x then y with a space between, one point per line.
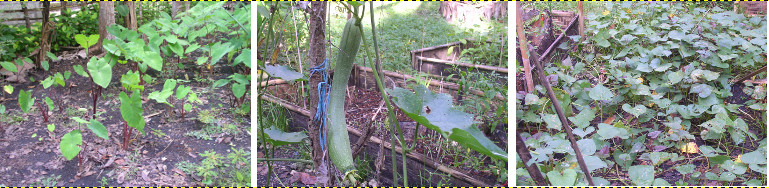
207 116
49 181
71 142
158 133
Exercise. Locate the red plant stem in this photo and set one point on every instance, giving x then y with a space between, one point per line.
43 112
95 95
125 136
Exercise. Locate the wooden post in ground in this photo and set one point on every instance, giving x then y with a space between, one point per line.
564 122
317 12
581 22
524 49
26 15
523 152
45 41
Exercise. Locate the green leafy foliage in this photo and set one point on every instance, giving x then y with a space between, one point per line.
100 71
86 41
277 137
131 110
663 95
70 144
435 111
162 95
26 101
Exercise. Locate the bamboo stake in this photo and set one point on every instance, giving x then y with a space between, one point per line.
743 78
564 123
522 43
413 155
581 22
523 152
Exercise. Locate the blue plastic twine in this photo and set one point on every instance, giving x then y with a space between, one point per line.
321 113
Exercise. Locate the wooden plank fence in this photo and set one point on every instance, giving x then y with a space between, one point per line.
17 13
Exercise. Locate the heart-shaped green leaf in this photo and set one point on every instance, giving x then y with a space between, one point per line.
98 129
637 110
599 92
101 71
436 111
641 175
568 178
86 42
167 91
131 110
70 144
238 89
25 100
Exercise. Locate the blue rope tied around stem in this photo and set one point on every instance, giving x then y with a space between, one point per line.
322 110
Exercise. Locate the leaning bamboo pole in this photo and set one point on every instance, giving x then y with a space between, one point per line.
413 155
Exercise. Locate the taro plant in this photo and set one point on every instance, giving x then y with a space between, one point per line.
72 143
131 111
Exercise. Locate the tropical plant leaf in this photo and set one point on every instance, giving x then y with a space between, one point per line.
283 72
25 100
436 112
641 175
98 129
131 110
70 144
101 71
599 92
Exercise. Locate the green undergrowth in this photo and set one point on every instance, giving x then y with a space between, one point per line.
650 99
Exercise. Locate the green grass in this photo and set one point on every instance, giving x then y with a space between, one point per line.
401 27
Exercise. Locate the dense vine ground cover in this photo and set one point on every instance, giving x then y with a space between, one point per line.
650 98
118 118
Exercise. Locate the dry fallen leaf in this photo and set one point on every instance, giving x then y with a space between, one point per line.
690 147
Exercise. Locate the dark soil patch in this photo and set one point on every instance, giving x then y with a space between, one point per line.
151 158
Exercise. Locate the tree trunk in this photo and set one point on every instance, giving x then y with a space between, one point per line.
106 19
26 15
139 16
175 8
317 32
130 20
186 6
45 42
64 5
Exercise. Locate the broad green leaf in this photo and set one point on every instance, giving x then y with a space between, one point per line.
8 89
531 99
593 162
51 127
45 65
131 110
568 177
187 107
660 182
636 111
48 82
641 175
675 77
238 89
552 121
606 131
586 146
583 119
49 103
582 133
686 169
101 71
9 66
736 168
25 100
167 91
244 57
79 70
59 79
52 56
192 48
436 111
277 137
599 92
283 72
153 60
70 144
182 91
98 129
86 42
218 50
703 90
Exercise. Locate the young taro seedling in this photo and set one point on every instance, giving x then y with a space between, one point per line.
71 142
131 110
